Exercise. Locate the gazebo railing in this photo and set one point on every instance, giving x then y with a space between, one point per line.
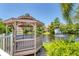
28 44
6 43
28 36
39 42
25 44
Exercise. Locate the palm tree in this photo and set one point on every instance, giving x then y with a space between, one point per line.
76 16
66 11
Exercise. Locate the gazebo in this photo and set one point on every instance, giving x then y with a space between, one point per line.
21 45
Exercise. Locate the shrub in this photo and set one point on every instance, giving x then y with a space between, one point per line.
69 28
61 47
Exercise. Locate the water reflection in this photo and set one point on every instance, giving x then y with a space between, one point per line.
59 35
48 38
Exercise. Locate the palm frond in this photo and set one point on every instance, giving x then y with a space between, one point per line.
66 11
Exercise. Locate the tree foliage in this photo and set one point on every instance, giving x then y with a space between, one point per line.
29 30
40 30
69 28
76 15
2 27
51 28
66 11
56 22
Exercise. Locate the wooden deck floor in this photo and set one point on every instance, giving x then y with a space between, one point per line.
28 52
22 53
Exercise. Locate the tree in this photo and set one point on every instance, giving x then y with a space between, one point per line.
2 27
28 29
56 22
66 11
40 30
51 28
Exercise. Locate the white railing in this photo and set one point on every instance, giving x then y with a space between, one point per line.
39 41
6 43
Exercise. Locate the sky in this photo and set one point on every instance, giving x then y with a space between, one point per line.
44 12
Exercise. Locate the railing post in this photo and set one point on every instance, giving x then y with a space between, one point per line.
11 46
3 42
6 39
14 37
35 38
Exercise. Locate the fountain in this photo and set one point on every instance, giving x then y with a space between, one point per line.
58 34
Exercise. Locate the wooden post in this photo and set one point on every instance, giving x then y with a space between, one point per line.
6 40
35 39
14 37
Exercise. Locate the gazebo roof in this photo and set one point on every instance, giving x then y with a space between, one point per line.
23 19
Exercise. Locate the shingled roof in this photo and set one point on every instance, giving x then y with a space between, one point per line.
25 17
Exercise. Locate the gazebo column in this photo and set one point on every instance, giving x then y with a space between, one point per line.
14 37
4 42
35 38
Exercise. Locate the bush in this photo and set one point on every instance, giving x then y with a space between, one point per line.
62 47
69 28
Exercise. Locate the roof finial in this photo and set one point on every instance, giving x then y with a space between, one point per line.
27 14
